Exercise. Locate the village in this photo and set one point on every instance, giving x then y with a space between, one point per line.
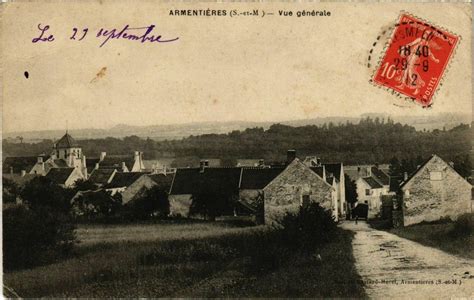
434 191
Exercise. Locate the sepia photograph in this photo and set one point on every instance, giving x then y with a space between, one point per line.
201 149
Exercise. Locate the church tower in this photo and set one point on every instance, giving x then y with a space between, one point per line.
68 150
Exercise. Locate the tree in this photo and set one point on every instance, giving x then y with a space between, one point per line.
395 169
351 189
39 230
96 204
153 201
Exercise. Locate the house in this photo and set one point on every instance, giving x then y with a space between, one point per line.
371 184
132 185
223 182
434 191
278 189
297 185
65 177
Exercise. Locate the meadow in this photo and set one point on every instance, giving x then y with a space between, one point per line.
199 259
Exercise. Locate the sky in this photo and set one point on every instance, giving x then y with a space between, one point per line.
220 69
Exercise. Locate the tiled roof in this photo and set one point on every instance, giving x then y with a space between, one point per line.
211 180
101 176
66 142
163 181
185 181
373 183
59 175
258 178
380 176
59 163
20 163
124 179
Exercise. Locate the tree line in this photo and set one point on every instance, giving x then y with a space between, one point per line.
369 141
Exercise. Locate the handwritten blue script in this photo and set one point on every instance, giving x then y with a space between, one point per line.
141 34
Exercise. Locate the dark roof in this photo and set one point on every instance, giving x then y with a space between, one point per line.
185 181
318 170
380 176
59 175
60 163
334 169
124 179
258 178
101 176
20 163
372 182
163 181
66 142
115 161
210 180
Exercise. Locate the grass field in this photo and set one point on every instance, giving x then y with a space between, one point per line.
200 260
439 236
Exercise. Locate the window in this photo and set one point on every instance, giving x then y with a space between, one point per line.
436 175
367 192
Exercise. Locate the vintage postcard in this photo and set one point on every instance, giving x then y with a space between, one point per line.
205 149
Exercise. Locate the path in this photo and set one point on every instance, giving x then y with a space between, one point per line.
394 267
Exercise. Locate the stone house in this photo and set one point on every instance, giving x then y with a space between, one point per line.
434 191
297 185
280 189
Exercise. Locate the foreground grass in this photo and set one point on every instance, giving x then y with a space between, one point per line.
238 262
439 236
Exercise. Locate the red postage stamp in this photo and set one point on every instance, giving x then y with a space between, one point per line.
415 59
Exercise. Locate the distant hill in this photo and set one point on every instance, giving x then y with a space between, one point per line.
178 131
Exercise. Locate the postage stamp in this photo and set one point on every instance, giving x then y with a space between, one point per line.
415 59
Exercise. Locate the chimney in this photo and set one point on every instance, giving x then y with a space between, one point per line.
23 173
261 163
206 163
124 166
290 156
102 156
96 166
405 176
318 161
40 159
369 171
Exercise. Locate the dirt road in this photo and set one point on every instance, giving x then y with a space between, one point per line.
394 267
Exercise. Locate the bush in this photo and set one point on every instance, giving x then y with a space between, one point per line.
463 226
311 227
34 237
151 202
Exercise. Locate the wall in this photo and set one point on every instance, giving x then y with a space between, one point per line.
284 193
425 199
180 205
